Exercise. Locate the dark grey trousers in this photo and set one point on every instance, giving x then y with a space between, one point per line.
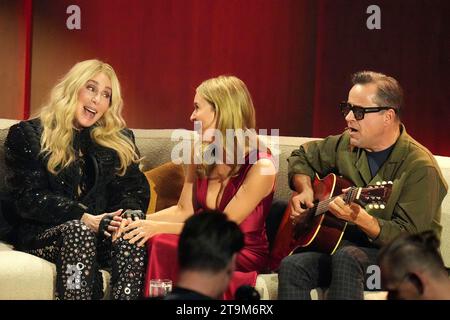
344 273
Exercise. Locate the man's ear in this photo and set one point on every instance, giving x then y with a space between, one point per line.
418 281
389 116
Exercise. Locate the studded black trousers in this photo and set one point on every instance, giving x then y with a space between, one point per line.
79 254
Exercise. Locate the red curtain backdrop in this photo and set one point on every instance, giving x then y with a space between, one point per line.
15 39
295 56
163 49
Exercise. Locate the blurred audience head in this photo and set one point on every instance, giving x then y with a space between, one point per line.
207 250
412 268
247 292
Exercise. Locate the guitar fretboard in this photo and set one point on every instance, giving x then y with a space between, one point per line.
322 206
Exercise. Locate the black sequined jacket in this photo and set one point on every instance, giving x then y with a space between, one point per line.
89 184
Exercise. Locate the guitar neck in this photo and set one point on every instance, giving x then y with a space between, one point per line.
322 206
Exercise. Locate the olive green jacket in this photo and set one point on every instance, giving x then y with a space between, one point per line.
418 185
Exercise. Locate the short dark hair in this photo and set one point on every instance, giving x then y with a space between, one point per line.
208 241
389 93
409 251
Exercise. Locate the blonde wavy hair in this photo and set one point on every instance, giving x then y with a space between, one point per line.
233 107
57 119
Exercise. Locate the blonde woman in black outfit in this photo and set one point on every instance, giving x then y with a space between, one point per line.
73 172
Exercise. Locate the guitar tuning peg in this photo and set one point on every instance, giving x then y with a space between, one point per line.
370 206
390 182
378 183
376 206
382 206
378 198
384 183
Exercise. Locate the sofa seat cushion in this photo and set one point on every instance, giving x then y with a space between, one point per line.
5 246
27 277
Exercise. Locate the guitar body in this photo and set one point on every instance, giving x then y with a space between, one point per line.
321 233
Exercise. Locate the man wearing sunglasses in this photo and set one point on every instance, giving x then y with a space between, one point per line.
374 147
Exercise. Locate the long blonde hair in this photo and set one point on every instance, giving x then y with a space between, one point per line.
233 106
57 117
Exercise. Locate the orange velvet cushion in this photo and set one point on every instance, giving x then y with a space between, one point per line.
166 183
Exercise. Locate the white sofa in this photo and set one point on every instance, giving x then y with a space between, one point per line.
23 276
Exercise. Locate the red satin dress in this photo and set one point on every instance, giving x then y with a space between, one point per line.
253 258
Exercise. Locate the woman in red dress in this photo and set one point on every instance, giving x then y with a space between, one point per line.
239 181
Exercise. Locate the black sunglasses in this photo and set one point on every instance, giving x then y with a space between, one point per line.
359 111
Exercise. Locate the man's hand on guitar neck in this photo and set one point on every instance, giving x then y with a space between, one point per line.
303 198
354 213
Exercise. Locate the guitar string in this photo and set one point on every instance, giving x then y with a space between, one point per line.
322 206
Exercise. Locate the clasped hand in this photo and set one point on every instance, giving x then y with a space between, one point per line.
118 223
136 231
106 222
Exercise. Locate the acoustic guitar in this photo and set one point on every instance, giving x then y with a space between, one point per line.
320 230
